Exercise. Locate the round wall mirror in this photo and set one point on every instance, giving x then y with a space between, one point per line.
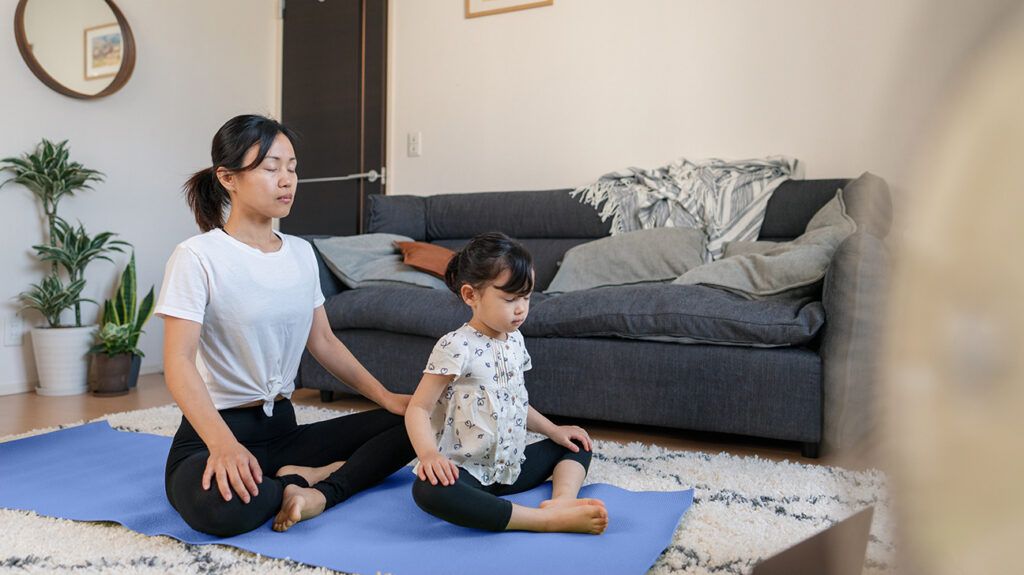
80 48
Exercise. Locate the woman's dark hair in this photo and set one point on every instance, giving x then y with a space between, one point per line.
206 197
484 258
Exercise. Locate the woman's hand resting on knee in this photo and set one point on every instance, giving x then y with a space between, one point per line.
236 468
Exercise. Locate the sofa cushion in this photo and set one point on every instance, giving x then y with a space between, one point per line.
791 269
371 259
641 256
869 203
401 309
403 215
793 204
743 247
537 214
546 255
676 313
430 258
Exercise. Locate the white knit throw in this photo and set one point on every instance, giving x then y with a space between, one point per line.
727 199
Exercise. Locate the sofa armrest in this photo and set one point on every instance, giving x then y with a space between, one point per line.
329 284
854 297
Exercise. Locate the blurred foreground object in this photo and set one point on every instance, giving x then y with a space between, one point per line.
953 399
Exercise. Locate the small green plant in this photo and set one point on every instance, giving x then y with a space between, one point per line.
73 250
123 318
50 175
115 339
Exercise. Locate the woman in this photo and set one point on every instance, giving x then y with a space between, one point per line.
247 299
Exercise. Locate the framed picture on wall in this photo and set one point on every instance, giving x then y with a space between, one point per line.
475 8
102 51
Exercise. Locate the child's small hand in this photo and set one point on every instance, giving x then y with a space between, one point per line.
564 434
436 468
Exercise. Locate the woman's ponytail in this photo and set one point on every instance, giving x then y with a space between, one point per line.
207 199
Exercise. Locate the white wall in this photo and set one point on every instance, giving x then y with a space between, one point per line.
549 97
199 63
557 96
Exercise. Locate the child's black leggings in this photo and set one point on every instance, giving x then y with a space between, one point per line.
373 444
470 504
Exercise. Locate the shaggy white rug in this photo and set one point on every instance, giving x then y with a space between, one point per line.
744 509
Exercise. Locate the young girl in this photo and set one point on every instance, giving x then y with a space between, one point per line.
468 418
247 300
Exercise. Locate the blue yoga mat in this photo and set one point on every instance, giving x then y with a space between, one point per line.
95 473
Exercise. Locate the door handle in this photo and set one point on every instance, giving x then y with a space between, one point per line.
371 176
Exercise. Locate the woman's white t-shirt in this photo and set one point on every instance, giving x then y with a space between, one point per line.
256 309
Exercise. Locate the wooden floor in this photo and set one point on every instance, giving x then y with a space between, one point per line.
27 411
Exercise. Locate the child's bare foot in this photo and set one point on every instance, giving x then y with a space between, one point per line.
566 502
299 504
591 519
312 475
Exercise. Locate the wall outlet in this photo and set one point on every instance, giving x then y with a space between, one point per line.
14 331
414 144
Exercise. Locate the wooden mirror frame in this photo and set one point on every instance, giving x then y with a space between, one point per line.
123 74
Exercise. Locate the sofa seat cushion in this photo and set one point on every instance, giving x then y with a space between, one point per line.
401 309
676 313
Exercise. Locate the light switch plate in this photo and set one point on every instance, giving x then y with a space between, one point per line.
414 144
14 331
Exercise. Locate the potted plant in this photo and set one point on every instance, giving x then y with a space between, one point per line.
60 350
117 359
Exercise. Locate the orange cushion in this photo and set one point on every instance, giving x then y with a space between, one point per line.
425 257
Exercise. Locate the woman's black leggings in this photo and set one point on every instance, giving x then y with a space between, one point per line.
373 444
470 504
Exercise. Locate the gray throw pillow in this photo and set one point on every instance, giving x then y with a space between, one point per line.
371 259
789 268
643 256
745 247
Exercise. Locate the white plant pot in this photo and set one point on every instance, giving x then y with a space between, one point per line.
62 359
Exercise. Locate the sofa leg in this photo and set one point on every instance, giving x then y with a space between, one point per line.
326 396
807 449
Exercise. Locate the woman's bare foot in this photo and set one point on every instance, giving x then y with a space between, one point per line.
585 518
566 502
299 504
312 475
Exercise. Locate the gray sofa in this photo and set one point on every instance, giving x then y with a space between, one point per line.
795 370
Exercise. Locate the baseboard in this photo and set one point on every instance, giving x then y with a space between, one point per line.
150 368
17 387
14 388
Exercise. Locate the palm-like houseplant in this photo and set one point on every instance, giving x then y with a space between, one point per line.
73 250
50 175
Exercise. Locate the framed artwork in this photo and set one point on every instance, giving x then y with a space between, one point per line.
102 51
475 8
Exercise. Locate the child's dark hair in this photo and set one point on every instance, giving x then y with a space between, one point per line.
206 197
484 258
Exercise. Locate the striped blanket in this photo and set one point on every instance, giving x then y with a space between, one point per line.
725 199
